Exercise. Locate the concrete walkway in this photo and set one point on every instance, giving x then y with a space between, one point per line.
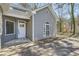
16 41
67 46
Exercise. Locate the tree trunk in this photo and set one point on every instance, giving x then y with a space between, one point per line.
72 17
60 25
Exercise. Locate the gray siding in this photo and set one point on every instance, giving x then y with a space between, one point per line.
29 29
40 18
6 38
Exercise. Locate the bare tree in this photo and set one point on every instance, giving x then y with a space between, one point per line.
72 17
60 14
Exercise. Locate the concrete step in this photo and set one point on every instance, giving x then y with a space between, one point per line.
16 41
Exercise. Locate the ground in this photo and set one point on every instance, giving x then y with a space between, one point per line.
59 46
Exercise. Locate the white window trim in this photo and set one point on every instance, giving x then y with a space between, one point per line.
44 30
5 27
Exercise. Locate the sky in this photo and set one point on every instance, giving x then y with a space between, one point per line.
65 11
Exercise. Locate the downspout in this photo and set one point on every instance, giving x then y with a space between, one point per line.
32 26
33 37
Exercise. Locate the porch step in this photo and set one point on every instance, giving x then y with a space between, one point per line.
16 42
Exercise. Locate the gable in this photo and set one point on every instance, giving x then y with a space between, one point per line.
45 12
50 9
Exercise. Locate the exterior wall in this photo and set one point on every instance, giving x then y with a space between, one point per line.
29 29
6 38
40 18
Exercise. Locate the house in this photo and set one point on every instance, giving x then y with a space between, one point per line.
21 22
65 25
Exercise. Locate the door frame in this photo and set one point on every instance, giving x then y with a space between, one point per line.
25 27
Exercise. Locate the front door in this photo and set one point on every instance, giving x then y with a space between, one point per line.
21 29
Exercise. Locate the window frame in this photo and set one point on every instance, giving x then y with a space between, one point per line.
6 27
44 28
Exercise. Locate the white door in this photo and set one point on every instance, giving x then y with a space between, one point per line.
21 30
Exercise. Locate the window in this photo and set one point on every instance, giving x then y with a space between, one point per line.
21 25
18 9
46 29
39 5
9 27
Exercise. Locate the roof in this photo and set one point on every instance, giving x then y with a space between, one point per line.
46 6
38 9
